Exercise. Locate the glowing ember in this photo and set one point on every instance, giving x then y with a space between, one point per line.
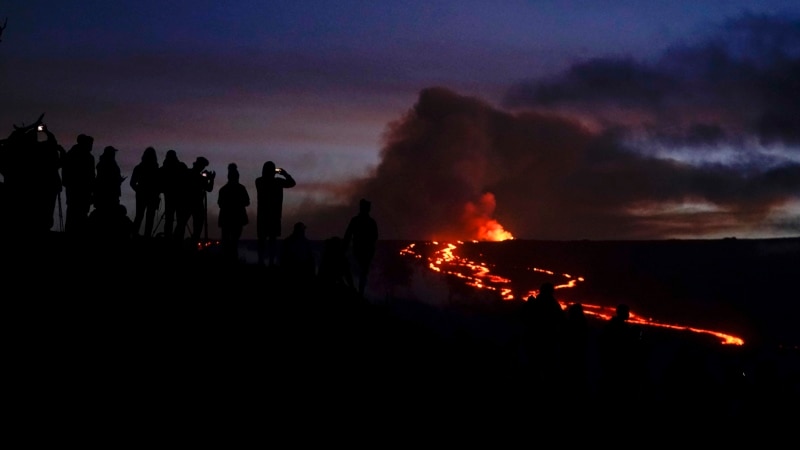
206 244
478 275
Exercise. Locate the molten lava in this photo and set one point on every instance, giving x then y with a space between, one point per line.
478 275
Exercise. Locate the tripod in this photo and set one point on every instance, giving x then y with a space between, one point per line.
161 218
60 214
205 214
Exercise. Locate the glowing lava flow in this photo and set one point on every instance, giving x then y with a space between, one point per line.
478 275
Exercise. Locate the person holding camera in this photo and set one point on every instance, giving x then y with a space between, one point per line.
269 208
31 164
193 204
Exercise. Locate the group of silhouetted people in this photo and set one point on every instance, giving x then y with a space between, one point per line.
36 169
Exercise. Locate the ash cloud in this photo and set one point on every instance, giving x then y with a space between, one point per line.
549 177
611 149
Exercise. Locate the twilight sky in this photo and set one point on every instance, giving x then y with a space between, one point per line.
458 119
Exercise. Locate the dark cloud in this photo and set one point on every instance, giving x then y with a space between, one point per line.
454 163
743 80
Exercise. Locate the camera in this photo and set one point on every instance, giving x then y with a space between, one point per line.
41 133
278 170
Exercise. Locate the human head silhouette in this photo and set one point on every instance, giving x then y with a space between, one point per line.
85 141
268 169
109 153
364 206
623 311
200 163
575 311
149 156
233 173
299 229
546 289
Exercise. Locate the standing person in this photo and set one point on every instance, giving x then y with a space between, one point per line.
544 326
32 160
193 202
576 355
108 182
78 175
362 232
105 221
233 201
172 173
621 356
145 183
49 157
269 208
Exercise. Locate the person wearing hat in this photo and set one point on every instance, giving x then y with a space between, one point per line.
193 203
233 201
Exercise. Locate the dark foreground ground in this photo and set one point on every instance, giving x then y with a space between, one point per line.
143 340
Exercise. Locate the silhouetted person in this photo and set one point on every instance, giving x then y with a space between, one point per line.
108 183
193 203
544 321
620 355
145 181
173 174
78 174
31 162
51 157
269 209
297 260
233 201
362 234
3 196
576 353
334 268
12 167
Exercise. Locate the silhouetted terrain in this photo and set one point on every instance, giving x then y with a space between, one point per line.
147 328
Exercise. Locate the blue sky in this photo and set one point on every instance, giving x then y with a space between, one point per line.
548 119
